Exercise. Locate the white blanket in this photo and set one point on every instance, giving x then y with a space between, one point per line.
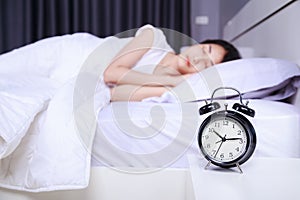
40 148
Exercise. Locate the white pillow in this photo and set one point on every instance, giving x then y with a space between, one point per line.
266 78
21 98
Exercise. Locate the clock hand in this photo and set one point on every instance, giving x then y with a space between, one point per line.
217 134
233 138
223 140
218 149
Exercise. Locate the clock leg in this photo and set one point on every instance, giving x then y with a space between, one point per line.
239 168
207 166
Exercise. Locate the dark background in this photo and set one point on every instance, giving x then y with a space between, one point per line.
25 21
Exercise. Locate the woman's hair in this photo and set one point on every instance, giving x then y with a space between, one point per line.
231 52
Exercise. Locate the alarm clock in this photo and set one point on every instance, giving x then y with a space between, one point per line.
226 137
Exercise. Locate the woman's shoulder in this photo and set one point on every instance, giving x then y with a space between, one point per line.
159 38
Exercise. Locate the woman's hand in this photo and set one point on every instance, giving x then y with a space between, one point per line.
136 93
128 92
180 78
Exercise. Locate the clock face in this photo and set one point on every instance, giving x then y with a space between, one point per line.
224 139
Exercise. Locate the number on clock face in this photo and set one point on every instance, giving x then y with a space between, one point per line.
224 139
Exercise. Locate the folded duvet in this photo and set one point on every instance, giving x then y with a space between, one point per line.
40 148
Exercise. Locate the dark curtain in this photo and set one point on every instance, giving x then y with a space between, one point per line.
25 21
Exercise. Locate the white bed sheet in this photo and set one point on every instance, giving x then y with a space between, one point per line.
126 137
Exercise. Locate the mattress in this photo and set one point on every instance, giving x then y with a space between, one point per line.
146 135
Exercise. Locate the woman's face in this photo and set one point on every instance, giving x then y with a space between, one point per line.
200 56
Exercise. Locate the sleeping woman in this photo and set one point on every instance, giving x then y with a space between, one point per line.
148 67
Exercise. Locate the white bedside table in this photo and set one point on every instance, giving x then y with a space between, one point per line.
263 179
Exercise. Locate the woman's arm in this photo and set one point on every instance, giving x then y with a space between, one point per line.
135 92
120 70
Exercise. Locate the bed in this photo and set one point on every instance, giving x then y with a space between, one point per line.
155 165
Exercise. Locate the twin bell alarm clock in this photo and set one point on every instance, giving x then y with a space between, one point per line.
226 137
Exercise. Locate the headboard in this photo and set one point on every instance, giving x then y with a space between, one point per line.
268 28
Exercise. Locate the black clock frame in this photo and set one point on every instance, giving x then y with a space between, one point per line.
250 134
